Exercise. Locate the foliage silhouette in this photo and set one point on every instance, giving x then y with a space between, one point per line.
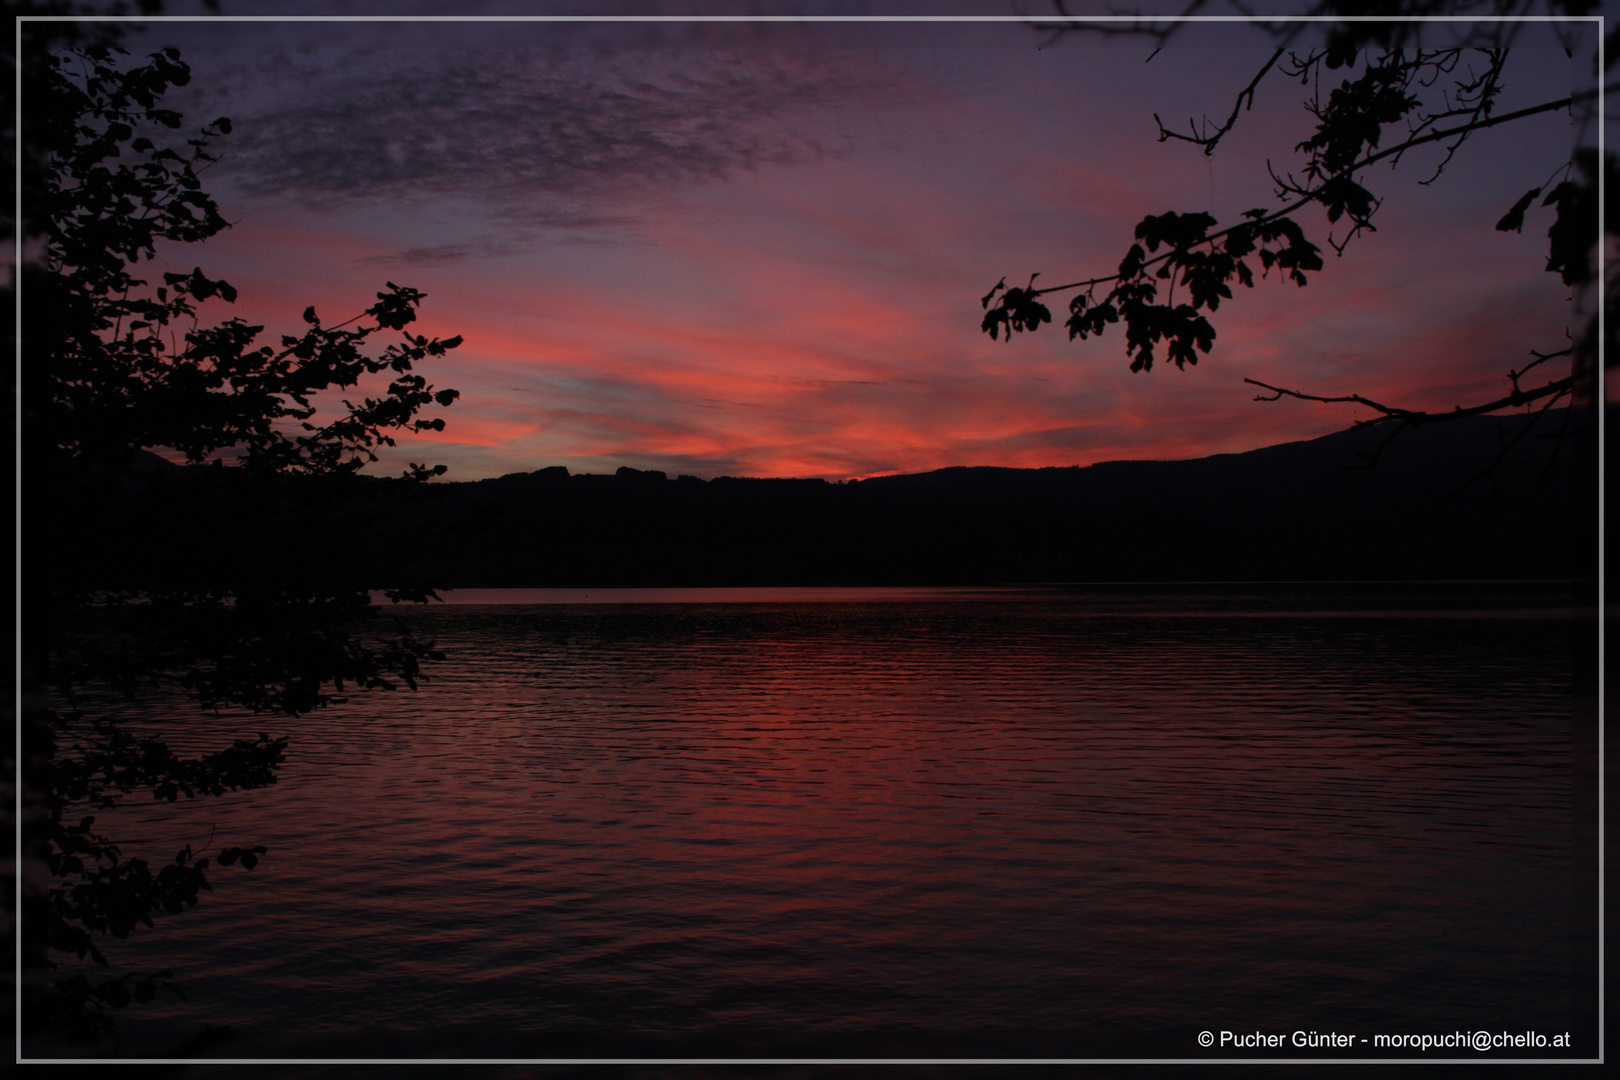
234 587
1393 93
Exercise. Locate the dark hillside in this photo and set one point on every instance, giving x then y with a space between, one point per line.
1295 511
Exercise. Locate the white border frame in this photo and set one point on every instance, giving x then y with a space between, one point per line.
17 255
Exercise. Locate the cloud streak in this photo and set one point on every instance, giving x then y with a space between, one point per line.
555 138
748 260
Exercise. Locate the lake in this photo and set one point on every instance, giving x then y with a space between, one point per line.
1068 822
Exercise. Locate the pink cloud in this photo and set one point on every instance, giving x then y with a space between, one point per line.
822 318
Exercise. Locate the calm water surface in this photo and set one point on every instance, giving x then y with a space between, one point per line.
899 821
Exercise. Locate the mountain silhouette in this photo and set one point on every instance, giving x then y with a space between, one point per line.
1432 508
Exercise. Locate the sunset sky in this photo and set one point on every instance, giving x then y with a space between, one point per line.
758 250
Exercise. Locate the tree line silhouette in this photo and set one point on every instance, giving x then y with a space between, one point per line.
254 607
1299 511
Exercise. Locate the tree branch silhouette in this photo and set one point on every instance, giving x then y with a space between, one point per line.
1245 101
1394 95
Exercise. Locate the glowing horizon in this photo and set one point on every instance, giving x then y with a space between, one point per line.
761 254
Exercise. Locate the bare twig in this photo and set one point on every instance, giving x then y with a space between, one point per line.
1244 102
1549 394
1489 472
1419 416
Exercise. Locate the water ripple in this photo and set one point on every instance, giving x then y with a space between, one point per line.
1048 813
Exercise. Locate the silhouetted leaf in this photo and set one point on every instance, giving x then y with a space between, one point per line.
985 302
1131 264
1574 234
1341 55
1513 220
1173 229
1342 195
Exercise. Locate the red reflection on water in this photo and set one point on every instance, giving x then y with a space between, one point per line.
921 816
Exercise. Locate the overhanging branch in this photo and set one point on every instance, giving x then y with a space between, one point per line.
1419 416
